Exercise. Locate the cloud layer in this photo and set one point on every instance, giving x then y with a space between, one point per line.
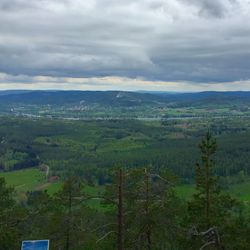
195 42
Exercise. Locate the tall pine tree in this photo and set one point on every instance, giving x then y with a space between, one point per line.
209 207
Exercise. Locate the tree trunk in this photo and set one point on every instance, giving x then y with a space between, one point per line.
148 227
207 191
120 211
69 219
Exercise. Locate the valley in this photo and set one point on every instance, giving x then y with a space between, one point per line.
64 159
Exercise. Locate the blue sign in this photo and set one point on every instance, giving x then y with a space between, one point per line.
35 245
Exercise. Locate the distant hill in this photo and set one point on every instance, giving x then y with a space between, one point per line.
121 98
107 98
206 98
11 92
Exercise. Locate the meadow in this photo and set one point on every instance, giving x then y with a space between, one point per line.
29 180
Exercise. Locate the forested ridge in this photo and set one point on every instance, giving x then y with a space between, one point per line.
122 104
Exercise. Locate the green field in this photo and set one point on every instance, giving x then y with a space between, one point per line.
29 180
240 191
34 179
185 191
24 180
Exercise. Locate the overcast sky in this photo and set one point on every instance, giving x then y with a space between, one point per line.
172 45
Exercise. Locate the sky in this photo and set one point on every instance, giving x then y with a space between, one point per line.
156 45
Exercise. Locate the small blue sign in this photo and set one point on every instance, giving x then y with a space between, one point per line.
35 245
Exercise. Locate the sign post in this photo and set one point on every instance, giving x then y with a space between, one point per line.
35 245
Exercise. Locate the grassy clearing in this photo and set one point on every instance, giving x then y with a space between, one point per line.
185 191
24 180
239 191
29 180
53 188
33 179
96 203
93 190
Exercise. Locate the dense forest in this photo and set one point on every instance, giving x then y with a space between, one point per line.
138 209
119 183
91 147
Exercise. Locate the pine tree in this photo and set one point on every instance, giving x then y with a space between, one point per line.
205 180
209 208
145 207
153 210
112 233
71 219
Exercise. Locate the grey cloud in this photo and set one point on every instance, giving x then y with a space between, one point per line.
191 40
213 8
